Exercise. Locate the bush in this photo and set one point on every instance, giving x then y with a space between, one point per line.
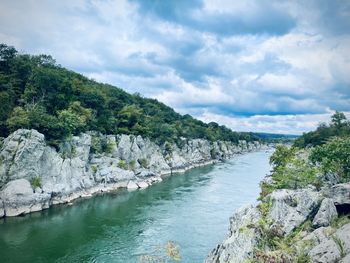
143 162
122 164
292 169
35 182
334 157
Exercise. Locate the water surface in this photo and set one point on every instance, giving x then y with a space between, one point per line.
191 209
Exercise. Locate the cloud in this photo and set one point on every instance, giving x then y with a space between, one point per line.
283 124
214 57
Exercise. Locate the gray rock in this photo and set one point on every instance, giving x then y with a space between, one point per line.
326 213
142 184
241 240
345 259
75 171
132 185
290 208
2 210
18 198
340 193
325 252
343 235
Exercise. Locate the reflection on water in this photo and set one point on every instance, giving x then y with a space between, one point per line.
191 209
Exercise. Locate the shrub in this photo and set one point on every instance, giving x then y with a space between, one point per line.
94 168
143 162
334 157
122 164
35 182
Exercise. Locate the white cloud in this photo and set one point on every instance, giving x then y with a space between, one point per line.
212 68
283 124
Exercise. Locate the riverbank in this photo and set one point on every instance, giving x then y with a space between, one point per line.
35 176
303 215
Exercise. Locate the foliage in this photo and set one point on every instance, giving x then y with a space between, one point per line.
35 182
94 169
291 169
122 164
35 92
143 162
334 157
339 126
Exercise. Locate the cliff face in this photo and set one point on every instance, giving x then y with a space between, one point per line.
34 176
301 225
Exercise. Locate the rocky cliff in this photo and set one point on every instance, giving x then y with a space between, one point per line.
34 175
290 225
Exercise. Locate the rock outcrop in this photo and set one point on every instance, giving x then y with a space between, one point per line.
241 240
34 175
288 210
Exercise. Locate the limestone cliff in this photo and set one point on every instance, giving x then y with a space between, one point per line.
34 175
301 225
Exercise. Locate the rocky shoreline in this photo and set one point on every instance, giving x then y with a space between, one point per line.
308 225
35 176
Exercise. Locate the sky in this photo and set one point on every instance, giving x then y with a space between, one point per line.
262 66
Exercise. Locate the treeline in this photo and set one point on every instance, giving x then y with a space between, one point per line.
339 126
36 92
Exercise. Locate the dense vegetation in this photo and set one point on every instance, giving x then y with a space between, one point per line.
37 93
339 126
318 158
301 165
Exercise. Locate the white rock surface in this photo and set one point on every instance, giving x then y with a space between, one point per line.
132 185
326 213
290 208
84 166
242 238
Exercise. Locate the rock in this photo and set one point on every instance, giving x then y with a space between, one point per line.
290 208
142 184
343 235
242 238
2 211
132 185
345 259
326 213
319 235
18 198
340 193
75 169
325 252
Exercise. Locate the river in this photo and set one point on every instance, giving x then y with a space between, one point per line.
192 210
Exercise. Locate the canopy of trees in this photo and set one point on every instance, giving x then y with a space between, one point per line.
339 126
37 93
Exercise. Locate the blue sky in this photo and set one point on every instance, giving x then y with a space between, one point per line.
268 66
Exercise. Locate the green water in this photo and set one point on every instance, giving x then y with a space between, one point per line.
191 209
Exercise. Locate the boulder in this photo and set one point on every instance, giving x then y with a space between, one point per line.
345 259
290 208
19 198
132 185
326 213
340 193
142 184
325 252
343 235
241 240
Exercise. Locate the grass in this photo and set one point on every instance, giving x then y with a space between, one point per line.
35 182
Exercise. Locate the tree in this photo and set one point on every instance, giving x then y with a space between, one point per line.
338 119
74 118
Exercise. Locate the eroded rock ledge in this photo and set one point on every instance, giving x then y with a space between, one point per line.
317 229
34 175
